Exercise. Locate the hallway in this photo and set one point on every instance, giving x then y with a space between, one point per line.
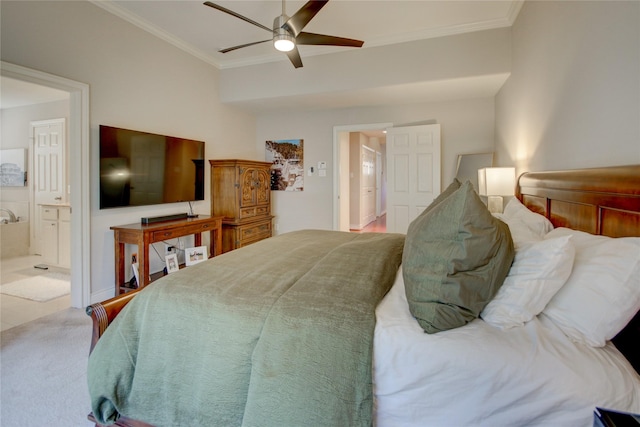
377 226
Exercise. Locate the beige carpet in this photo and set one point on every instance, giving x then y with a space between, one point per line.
44 372
41 288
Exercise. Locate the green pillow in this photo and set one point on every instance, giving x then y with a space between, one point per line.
446 193
452 188
455 259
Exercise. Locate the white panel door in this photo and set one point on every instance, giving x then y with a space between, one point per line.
367 186
49 140
413 173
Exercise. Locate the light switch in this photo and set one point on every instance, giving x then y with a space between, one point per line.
322 165
322 172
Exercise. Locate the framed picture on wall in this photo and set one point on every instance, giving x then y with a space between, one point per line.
287 167
195 255
13 167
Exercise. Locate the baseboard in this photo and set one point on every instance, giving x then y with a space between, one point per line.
102 295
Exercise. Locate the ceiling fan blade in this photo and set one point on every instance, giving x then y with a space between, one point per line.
229 49
322 39
237 15
294 57
301 18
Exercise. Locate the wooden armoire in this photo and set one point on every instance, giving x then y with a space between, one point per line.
241 192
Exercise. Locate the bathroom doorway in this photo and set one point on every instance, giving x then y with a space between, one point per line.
79 160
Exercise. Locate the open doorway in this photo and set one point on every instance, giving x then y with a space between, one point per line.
351 145
78 138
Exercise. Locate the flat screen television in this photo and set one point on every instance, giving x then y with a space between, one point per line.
141 168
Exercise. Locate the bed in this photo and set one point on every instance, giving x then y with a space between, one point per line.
545 354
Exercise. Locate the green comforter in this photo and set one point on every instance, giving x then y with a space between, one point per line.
279 333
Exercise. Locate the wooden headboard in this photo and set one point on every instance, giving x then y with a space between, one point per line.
602 201
599 201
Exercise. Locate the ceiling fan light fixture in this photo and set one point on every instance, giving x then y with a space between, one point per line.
287 31
284 42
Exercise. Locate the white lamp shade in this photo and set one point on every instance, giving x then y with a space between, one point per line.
496 181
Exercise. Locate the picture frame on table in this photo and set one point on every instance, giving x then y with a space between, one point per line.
171 261
195 255
135 280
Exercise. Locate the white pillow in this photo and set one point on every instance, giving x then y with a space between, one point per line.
524 225
538 271
603 292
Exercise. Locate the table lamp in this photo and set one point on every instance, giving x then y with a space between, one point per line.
495 183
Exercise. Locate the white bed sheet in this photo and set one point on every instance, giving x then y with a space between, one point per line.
478 375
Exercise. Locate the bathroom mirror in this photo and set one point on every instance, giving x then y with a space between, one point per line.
468 165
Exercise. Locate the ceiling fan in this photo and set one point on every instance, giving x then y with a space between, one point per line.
287 31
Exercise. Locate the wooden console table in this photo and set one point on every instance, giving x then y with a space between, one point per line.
144 235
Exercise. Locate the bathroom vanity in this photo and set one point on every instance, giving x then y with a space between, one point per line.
56 234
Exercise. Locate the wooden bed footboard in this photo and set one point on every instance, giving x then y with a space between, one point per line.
122 422
103 313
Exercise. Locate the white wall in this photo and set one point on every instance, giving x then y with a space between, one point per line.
136 81
458 60
467 127
15 128
573 98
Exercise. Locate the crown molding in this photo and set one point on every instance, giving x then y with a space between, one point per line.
384 41
431 33
514 11
123 13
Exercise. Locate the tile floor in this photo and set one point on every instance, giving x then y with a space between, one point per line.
15 311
